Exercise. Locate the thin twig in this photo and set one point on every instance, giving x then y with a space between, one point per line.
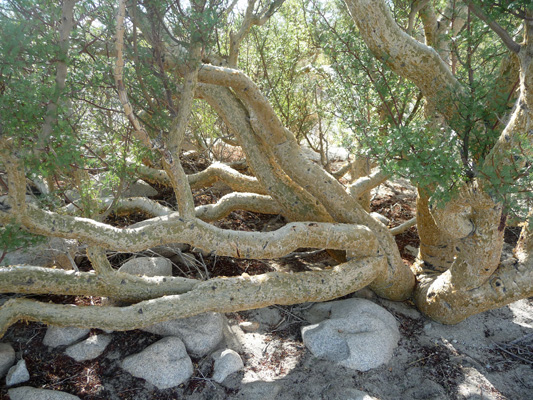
512 354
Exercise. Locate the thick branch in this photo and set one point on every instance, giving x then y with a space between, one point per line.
397 230
297 204
172 229
441 301
367 183
250 19
219 294
127 205
210 212
140 133
119 285
215 172
171 162
404 55
237 201
16 179
322 186
234 179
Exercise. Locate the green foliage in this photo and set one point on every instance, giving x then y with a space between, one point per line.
13 237
382 114
281 58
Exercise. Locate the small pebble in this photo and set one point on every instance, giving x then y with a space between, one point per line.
249 326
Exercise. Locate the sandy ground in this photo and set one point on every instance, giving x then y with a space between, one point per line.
488 356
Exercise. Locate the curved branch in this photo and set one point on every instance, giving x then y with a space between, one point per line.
403 227
297 203
219 294
138 130
118 285
314 179
250 19
367 183
215 172
209 212
65 28
443 302
148 206
404 55
172 229
237 201
234 179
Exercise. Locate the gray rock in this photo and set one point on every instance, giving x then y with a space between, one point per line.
30 393
226 363
63 336
18 373
201 333
53 252
170 250
259 390
89 348
322 340
7 358
139 189
350 394
357 333
164 364
148 266
269 316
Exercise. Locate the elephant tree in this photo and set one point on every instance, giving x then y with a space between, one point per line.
167 57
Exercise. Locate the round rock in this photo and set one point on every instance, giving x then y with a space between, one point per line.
164 364
147 266
356 333
30 393
226 363
7 358
89 349
63 336
201 333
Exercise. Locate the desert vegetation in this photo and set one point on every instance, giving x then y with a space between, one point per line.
97 94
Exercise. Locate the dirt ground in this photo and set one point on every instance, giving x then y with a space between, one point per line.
488 356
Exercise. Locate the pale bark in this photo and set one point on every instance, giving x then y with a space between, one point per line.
214 173
365 184
219 294
398 230
173 142
296 203
308 175
475 280
237 201
118 285
209 212
407 57
139 131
